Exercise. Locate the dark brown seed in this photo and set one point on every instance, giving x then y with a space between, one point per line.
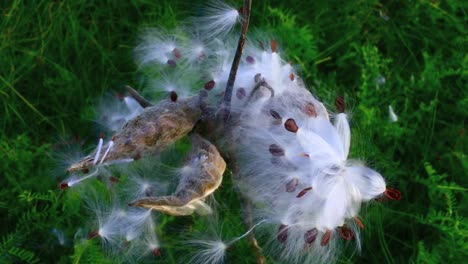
176 53
171 63
291 125
359 222
291 185
173 96
210 85
282 233
64 185
346 233
250 59
241 93
392 194
291 76
311 235
156 252
303 192
326 238
113 179
276 150
137 156
149 191
85 170
273 45
340 104
93 234
309 110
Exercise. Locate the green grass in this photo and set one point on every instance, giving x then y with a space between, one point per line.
57 59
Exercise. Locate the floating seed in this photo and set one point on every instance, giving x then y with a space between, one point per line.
346 233
250 59
326 238
303 192
156 252
210 85
291 76
291 125
282 233
276 150
310 235
291 185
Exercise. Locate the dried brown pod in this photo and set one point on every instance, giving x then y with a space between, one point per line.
205 176
149 133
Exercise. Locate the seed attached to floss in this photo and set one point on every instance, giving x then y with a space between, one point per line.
241 93
291 185
171 63
303 192
210 85
310 235
276 150
273 45
282 233
359 222
93 234
250 59
309 110
346 233
392 194
173 95
326 238
340 104
156 252
64 185
291 76
291 125
176 53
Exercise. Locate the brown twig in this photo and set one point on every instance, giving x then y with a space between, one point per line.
235 63
142 101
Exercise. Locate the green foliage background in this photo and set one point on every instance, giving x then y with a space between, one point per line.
58 58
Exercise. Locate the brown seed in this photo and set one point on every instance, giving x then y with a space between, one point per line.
392 194
241 93
64 185
359 222
273 45
346 233
282 233
309 110
303 192
340 104
210 85
291 125
171 63
202 56
176 53
276 150
291 76
326 238
173 95
310 235
291 185
93 234
156 252
250 59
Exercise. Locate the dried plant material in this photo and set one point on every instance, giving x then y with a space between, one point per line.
147 134
203 177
